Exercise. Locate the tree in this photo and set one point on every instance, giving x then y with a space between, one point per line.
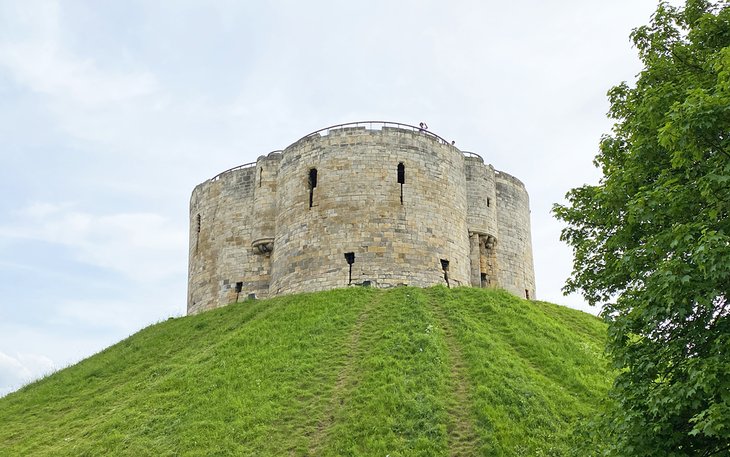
651 241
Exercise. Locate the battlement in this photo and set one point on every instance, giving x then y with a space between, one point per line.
376 203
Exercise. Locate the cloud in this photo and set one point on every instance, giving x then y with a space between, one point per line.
20 369
43 65
142 246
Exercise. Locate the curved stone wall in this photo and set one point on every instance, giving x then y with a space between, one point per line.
514 239
481 195
355 206
264 203
481 220
220 241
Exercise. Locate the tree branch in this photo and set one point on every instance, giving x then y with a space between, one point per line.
717 451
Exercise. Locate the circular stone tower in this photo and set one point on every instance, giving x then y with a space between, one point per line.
394 198
372 203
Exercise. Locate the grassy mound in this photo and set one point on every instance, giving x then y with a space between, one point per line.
402 372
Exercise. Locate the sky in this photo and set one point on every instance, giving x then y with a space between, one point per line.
111 112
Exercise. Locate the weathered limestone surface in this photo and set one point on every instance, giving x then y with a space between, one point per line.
514 241
220 242
284 224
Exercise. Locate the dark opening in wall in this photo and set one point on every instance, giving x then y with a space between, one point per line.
350 258
261 176
445 268
401 179
527 294
239 287
489 202
313 178
197 231
485 280
312 184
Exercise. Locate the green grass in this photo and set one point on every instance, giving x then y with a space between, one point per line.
352 372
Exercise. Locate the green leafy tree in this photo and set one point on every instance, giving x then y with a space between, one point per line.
652 240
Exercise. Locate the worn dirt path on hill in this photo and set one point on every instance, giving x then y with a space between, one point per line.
461 430
344 378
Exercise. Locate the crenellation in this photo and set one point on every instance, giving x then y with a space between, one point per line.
399 198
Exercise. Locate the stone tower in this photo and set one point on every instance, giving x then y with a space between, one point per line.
368 203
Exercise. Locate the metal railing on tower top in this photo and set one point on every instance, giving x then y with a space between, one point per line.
472 154
377 124
368 125
238 167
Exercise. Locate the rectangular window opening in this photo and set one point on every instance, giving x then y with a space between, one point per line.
401 179
489 202
312 184
239 287
312 178
197 231
350 258
445 268
527 294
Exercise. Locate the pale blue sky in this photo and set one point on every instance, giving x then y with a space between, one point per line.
111 112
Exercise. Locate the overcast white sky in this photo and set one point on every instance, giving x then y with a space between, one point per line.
111 112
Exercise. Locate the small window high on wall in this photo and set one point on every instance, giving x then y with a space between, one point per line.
312 184
197 231
401 179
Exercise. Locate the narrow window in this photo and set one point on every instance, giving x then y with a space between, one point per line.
197 231
350 258
312 185
489 202
527 294
261 176
445 267
401 179
485 280
239 287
